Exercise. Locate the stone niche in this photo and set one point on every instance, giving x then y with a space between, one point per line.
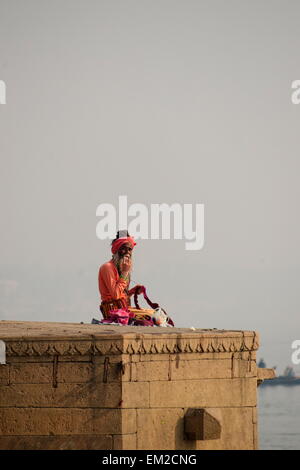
75 386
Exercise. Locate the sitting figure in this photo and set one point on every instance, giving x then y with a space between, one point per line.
114 276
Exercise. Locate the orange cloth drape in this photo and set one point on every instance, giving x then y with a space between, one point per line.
111 286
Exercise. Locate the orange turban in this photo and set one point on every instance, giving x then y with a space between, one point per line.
120 241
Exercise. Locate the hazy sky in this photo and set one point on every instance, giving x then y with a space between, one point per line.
163 101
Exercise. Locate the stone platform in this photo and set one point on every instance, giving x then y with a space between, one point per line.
79 386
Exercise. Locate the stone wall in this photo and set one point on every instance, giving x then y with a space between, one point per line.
71 386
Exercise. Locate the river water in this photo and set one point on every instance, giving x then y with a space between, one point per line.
279 417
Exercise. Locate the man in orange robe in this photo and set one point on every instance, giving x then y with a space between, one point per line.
114 276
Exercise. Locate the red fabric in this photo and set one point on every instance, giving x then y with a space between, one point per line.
120 241
125 317
120 316
142 290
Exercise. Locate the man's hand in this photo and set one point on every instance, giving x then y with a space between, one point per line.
125 265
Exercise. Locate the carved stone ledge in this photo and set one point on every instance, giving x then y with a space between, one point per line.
59 339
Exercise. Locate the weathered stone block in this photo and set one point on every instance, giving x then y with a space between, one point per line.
70 372
255 436
163 429
136 357
76 358
203 393
78 372
200 356
31 373
60 421
254 415
243 367
4 374
159 357
149 371
124 442
135 395
90 395
91 386
28 359
203 368
56 442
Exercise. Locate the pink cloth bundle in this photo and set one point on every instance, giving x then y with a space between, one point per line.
120 316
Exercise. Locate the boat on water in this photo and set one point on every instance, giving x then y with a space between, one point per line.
281 380
288 378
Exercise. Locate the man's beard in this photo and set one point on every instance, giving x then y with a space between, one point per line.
117 261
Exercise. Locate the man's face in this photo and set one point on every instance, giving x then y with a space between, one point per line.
124 250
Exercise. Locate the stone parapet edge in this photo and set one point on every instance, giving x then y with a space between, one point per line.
139 344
